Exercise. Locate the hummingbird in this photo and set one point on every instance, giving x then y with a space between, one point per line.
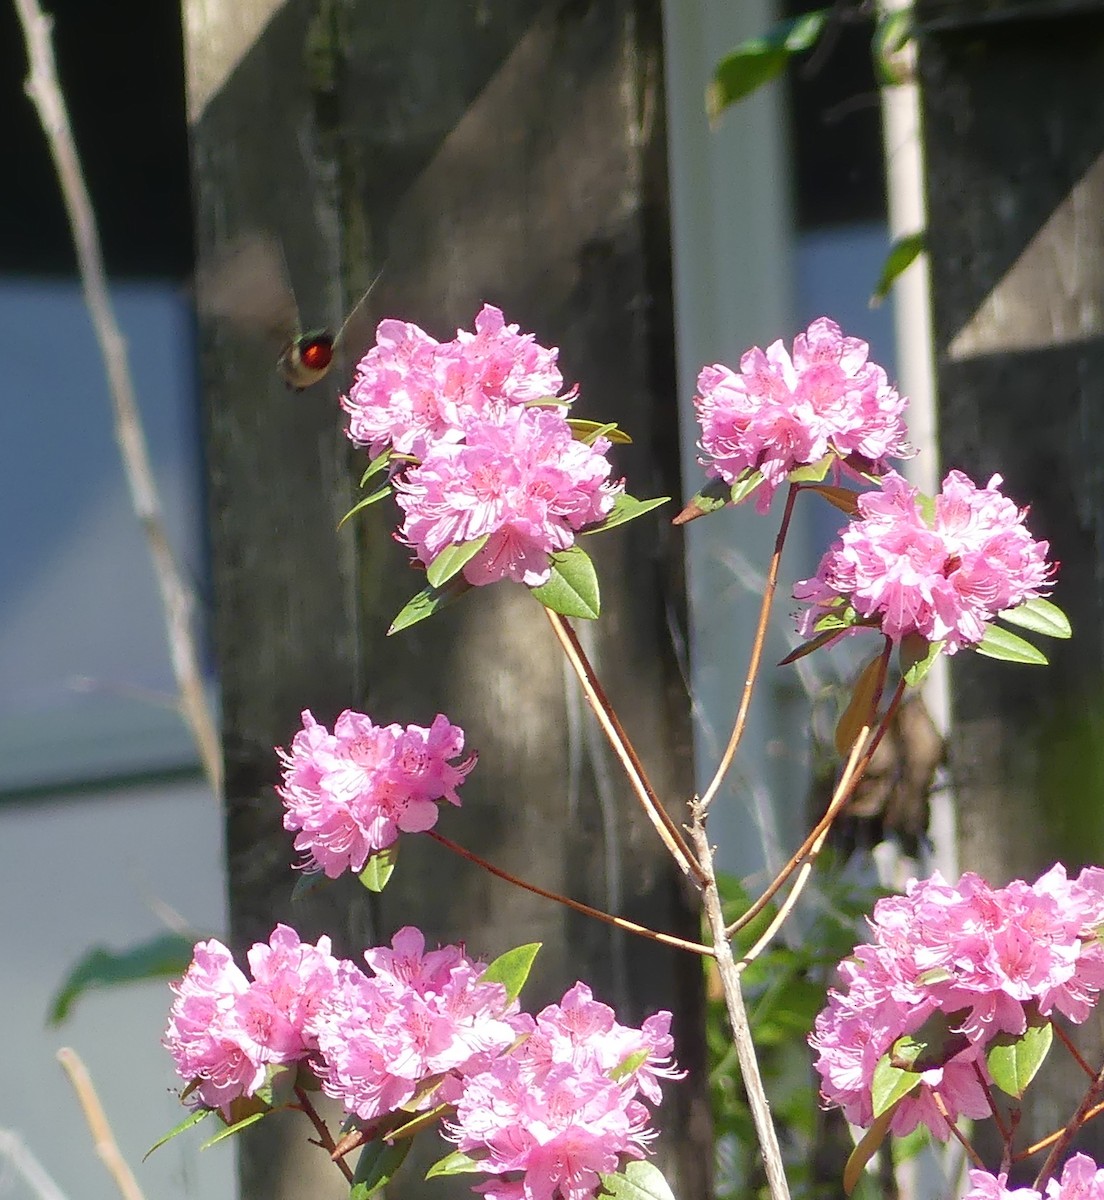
249 285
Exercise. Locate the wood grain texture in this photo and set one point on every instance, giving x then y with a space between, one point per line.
511 152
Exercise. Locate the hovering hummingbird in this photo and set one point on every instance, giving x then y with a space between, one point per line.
250 286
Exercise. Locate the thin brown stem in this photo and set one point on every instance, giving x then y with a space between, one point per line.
956 1133
1050 1139
1088 1103
994 1111
848 781
107 1149
325 1138
1075 1054
177 598
756 653
667 939
599 702
729 977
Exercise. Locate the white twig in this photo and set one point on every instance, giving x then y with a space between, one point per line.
177 598
104 1140
33 1172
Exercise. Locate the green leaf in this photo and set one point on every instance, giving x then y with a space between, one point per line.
162 957
716 494
376 1164
193 1118
236 1128
813 472
933 1045
891 1084
587 431
456 1163
637 1180
1013 1060
916 656
745 484
902 254
629 1064
427 602
279 1085
814 643
378 494
452 559
376 465
572 591
891 35
868 1146
1040 616
307 884
377 870
512 968
1008 647
759 60
625 508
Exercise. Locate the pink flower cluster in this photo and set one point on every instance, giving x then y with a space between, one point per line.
551 1100
420 1016
781 412
481 455
973 957
1081 1179
944 576
562 1108
411 390
521 478
353 791
226 1032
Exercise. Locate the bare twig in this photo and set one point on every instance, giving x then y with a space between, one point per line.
106 1147
177 598
737 1014
667 939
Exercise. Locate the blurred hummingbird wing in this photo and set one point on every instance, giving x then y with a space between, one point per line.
357 332
248 285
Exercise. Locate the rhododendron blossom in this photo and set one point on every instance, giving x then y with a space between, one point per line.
943 577
781 412
521 479
973 957
352 792
225 1032
1081 1179
419 1017
411 390
562 1106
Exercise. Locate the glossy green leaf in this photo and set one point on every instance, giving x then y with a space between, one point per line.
452 560
759 60
377 1163
1008 647
637 1180
626 508
916 656
512 968
716 494
1040 616
233 1130
378 494
379 867
902 254
379 463
427 602
891 1084
813 472
456 1163
572 591
162 957
587 431
193 1118
1013 1060
869 1145
744 486
891 35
